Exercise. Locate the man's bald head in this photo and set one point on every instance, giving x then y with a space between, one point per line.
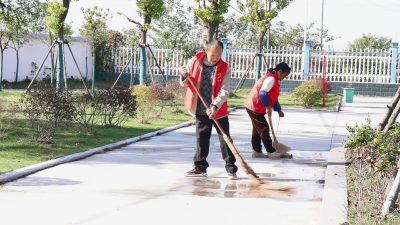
216 44
214 51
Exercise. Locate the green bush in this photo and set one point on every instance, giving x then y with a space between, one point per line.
307 94
377 149
146 104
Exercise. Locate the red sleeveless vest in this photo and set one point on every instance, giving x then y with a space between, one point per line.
253 101
191 98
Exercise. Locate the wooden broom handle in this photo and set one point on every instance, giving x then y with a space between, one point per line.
205 104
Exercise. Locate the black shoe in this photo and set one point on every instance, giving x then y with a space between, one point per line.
196 173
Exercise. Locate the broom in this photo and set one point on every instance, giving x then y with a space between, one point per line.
246 168
282 148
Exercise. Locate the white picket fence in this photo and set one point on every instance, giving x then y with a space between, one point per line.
371 66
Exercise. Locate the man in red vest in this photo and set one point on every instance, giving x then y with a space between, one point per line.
261 100
211 76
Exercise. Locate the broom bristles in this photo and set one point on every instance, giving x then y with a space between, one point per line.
251 174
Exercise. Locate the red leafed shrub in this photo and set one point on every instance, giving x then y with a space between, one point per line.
45 110
178 93
117 105
319 81
161 95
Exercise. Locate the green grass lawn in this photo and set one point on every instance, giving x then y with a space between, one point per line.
16 150
72 84
286 101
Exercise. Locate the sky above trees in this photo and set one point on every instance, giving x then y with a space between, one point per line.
347 19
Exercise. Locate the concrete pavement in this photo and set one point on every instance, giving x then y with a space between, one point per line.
144 182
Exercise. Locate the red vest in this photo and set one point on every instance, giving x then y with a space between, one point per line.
253 101
196 74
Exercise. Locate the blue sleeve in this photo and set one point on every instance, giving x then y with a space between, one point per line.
277 106
264 98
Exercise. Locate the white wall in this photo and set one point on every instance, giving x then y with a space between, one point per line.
35 51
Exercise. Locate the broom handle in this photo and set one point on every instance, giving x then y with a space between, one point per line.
205 104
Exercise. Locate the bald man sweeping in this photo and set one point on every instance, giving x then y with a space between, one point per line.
211 76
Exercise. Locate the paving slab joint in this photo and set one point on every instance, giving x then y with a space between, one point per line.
335 202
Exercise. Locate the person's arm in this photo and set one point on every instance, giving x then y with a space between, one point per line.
277 107
265 88
223 93
183 80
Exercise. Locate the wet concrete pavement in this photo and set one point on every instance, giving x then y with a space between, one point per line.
144 183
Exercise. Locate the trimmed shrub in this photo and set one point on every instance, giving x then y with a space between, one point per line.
320 83
308 95
117 105
146 104
45 110
161 95
178 93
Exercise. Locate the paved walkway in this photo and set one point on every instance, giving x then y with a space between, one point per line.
144 183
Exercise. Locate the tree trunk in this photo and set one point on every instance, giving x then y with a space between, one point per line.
392 118
216 32
391 198
389 111
62 19
260 41
269 38
1 69
143 37
16 73
52 66
211 31
94 67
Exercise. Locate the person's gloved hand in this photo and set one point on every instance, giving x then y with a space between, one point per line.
211 112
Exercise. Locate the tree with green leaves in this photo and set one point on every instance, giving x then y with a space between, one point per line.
261 14
6 32
115 39
42 32
56 22
95 29
171 30
148 10
284 35
21 37
21 26
370 41
132 37
211 15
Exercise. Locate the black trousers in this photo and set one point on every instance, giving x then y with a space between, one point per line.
203 133
260 132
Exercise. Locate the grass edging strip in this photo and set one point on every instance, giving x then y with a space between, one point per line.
335 201
16 174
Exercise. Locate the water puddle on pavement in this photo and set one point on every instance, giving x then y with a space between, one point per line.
303 190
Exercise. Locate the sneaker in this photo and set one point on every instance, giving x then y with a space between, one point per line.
232 176
258 155
196 173
274 155
287 155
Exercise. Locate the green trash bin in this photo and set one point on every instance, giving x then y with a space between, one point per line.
348 94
